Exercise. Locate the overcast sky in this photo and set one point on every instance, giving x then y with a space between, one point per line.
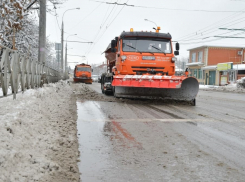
191 22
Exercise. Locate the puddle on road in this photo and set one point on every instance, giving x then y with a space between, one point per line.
93 143
102 144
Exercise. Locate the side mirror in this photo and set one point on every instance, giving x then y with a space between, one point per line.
177 46
176 53
113 44
116 38
92 70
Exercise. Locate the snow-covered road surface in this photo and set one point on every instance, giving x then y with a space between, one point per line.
141 140
120 139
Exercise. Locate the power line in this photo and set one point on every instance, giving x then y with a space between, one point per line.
56 15
230 37
106 13
107 27
207 28
116 16
170 9
81 38
217 38
209 31
101 26
206 35
78 41
108 16
87 15
76 55
124 4
91 46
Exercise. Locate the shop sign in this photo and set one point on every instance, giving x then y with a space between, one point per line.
224 66
223 80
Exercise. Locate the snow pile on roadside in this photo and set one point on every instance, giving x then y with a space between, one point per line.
38 135
86 93
1 91
227 88
207 86
241 83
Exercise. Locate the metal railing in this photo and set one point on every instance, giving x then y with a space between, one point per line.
21 72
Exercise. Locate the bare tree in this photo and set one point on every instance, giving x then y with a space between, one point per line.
19 27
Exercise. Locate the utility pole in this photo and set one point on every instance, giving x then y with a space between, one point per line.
66 60
58 60
42 32
62 39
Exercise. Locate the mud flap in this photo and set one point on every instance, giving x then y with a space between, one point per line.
187 92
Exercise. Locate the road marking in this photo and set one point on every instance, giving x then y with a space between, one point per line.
126 134
151 120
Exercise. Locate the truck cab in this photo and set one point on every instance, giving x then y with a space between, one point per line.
138 53
82 73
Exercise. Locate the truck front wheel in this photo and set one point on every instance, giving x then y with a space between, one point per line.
102 89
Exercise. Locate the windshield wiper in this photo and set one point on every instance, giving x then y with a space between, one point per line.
151 53
138 50
158 49
134 48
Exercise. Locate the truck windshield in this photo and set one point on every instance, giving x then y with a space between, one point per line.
83 69
146 45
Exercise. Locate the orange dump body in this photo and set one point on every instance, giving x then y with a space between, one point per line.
82 73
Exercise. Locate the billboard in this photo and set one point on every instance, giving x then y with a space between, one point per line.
224 66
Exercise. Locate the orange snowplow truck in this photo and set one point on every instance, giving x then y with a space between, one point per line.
82 73
142 65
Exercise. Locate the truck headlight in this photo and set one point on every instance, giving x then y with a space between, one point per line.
174 59
124 58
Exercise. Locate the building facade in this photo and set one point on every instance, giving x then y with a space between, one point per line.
215 65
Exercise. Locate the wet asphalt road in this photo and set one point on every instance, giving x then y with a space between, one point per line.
132 141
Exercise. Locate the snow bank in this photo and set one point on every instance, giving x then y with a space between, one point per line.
241 83
38 139
228 88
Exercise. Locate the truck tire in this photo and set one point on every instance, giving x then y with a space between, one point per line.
113 91
193 102
102 89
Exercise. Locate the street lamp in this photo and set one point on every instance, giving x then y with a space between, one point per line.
76 55
66 52
62 36
151 21
84 57
68 10
69 36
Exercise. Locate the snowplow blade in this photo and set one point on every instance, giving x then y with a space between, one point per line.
82 80
166 87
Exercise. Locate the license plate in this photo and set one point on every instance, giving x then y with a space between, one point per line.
148 57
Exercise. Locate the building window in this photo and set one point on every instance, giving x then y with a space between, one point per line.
232 76
199 74
193 57
200 55
195 73
190 72
241 71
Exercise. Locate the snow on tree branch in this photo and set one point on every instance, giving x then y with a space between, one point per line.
19 27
